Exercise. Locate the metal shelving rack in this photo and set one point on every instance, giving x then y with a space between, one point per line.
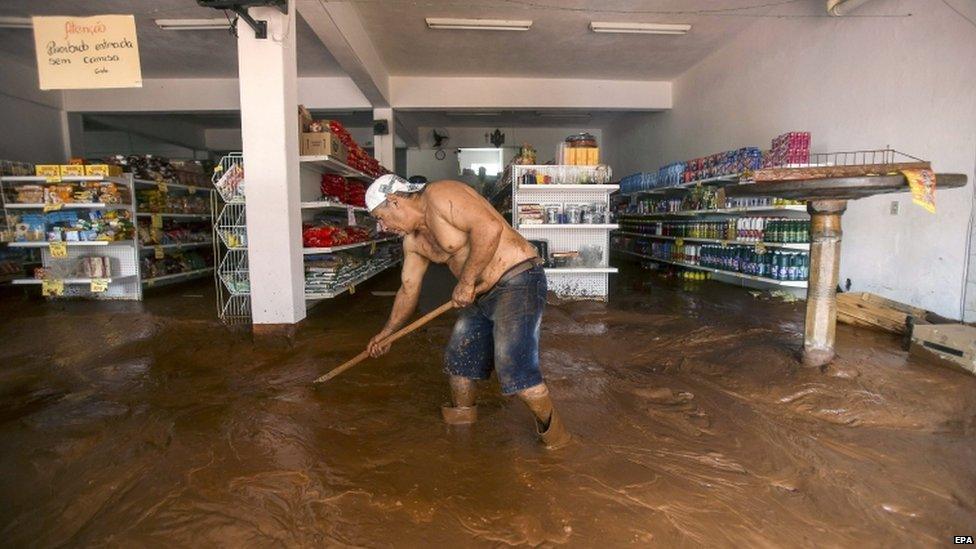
180 217
576 184
718 214
232 277
123 284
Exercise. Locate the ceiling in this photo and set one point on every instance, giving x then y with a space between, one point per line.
508 119
165 54
227 120
559 44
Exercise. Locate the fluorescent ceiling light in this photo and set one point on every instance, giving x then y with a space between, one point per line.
15 23
193 24
640 28
478 24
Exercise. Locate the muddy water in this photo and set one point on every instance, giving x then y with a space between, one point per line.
150 425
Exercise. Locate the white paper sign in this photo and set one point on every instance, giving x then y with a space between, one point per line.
87 52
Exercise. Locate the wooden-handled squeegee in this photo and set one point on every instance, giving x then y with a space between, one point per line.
389 339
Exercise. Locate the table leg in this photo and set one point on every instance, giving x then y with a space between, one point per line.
821 320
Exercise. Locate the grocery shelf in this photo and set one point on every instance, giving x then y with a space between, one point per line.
75 280
151 183
786 245
720 211
146 248
330 249
774 282
358 280
327 164
70 206
568 226
176 276
580 270
43 179
325 205
45 243
175 215
573 187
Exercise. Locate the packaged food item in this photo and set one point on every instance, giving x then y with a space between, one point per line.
72 170
51 171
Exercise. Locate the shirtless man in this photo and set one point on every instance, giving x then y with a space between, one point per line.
501 292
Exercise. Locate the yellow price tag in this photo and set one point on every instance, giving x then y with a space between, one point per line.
53 179
157 221
51 287
53 207
725 242
352 289
58 249
98 285
760 248
372 249
162 187
679 242
192 190
160 253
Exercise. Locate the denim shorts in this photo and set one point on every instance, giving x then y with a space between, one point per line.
500 331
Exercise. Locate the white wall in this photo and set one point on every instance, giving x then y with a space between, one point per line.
421 161
854 83
99 144
32 119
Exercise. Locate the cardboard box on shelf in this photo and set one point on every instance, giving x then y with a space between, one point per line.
72 170
51 171
103 170
323 144
304 119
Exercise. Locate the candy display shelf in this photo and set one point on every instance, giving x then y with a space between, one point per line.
733 274
331 249
123 255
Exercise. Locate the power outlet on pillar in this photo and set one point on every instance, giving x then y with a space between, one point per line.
893 208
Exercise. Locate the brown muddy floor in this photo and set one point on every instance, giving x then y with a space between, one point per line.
152 425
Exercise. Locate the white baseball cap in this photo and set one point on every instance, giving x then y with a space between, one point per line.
387 184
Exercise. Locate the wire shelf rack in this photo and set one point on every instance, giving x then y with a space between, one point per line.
236 309
233 272
870 157
228 178
231 226
843 164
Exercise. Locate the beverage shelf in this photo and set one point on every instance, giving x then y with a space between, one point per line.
784 245
327 164
575 187
581 270
568 226
720 211
774 282
330 249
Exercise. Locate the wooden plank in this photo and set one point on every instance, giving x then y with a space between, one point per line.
833 172
866 309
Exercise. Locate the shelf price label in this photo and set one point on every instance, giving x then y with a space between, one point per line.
760 248
53 207
58 250
679 242
350 216
191 189
162 186
160 253
372 248
98 285
52 287
352 289
157 221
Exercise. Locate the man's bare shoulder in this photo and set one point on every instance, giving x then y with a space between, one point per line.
448 187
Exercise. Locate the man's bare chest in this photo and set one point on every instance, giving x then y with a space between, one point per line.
441 245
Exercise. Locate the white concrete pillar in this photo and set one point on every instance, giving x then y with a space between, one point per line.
269 131
384 146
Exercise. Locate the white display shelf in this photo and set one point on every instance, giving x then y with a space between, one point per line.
175 215
176 276
71 206
785 245
568 226
45 244
325 205
720 211
580 270
576 187
151 183
327 164
148 248
73 280
311 251
771 281
43 179
356 281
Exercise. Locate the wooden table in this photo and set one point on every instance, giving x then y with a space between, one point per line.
826 201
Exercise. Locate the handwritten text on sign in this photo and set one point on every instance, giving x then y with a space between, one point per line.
87 52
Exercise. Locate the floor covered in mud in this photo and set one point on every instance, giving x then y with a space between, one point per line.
152 425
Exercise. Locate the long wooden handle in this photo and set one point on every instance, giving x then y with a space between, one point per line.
389 339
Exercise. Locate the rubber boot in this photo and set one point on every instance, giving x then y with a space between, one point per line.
551 430
464 411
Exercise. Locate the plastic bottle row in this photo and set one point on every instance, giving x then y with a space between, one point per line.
776 265
742 229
